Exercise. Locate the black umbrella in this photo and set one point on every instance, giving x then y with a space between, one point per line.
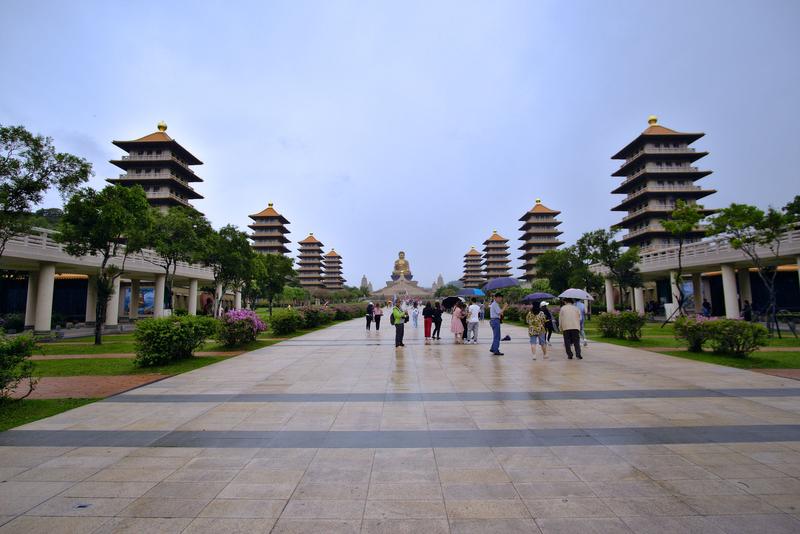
449 302
500 283
538 296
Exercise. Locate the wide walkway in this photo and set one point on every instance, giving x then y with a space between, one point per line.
335 431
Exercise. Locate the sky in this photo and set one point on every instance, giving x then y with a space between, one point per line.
418 126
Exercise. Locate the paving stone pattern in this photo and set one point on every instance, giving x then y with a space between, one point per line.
338 432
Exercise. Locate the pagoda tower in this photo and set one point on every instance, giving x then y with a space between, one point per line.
161 166
473 269
658 172
539 234
333 271
495 257
269 231
309 264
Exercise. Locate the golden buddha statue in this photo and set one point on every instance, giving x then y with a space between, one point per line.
402 269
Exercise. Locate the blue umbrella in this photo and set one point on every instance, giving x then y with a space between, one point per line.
471 293
538 296
500 283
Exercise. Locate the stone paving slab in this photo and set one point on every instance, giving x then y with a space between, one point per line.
336 431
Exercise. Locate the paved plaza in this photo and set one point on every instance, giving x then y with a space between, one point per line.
335 431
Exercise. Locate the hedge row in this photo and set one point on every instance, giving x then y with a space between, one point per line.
621 325
289 320
726 336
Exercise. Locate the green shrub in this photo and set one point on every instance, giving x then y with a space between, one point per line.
312 317
180 312
735 337
608 325
167 339
13 322
694 330
513 313
239 327
621 325
287 322
15 365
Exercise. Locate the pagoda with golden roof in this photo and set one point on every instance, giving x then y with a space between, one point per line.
658 171
333 271
495 257
309 262
161 166
269 231
473 269
539 234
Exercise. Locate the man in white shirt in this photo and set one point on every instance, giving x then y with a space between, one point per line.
495 315
473 320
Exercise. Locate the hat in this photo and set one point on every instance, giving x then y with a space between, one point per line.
543 303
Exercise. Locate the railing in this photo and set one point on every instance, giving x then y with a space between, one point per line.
159 157
664 170
160 195
154 176
640 231
43 239
660 150
656 188
654 209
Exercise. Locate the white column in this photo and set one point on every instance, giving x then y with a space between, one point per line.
729 291
609 295
30 300
237 300
745 293
638 299
158 295
120 304
112 305
44 297
91 300
218 298
697 288
673 286
133 307
192 304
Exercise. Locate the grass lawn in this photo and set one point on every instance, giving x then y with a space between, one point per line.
17 413
116 366
759 360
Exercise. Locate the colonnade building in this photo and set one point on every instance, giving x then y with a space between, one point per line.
269 231
161 166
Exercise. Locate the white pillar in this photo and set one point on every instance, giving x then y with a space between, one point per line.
638 299
237 300
192 304
218 298
91 300
158 295
120 304
112 305
745 293
697 288
44 297
30 300
133 306
609 295
729 291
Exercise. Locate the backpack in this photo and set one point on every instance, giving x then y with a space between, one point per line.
391 317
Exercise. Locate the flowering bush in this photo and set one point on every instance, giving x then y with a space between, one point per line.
694 330
737 338
240 327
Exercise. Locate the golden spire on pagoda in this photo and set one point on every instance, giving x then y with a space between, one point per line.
652 119
162 126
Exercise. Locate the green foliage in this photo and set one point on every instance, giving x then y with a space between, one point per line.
15 365
19 413
623 325
166 339
286 322
113 222
46 218
293 295
29 167
684 219
229 255
269 274
695 331
514 313
735 337
239 327
447 290
13 321
600 246
565 268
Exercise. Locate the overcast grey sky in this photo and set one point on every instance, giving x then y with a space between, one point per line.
419 126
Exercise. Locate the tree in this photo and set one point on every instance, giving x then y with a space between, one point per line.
46 218
447 290
751 230
229 255
112 223
564 268
600 246
29 166
682 222
176 236
294 294
269 275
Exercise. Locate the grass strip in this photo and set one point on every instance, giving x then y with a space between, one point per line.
20 412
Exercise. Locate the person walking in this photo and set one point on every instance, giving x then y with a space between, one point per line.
582 308
747 311
496 311
415 315
437 321
473 320
537 329
399 318
370 312
377 313
427 319
549 322
569 318
456 326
